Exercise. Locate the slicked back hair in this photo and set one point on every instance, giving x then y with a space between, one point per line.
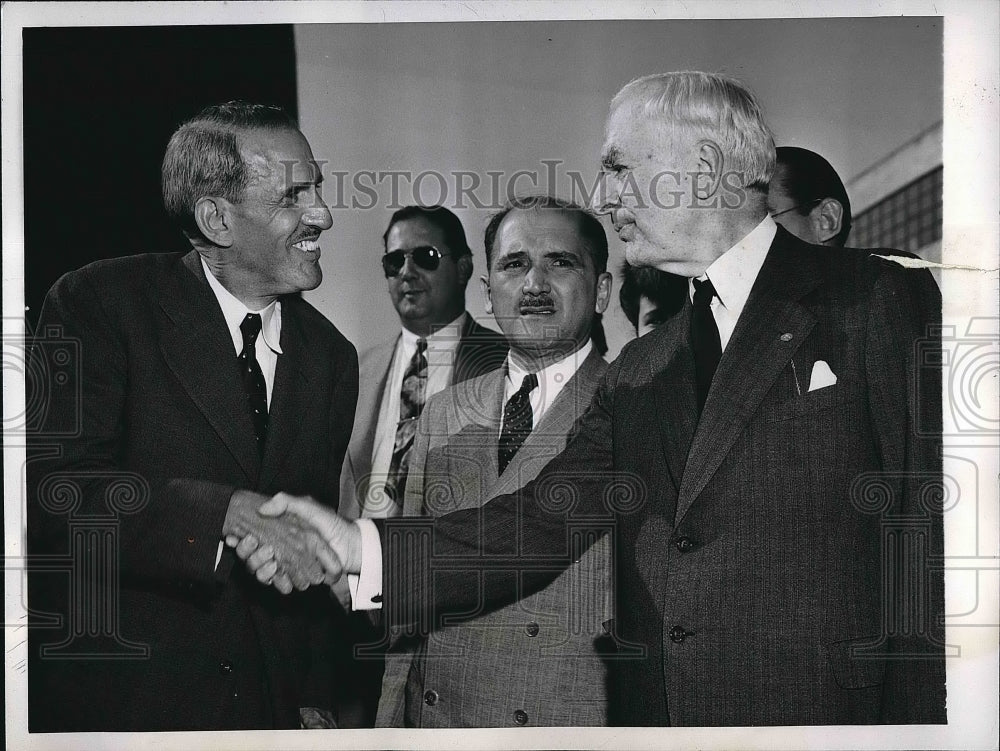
591 231
442 218
203 157
808 178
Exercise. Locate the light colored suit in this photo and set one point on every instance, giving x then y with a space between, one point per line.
479 351
535 662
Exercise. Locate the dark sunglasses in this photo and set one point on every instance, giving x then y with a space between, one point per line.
426 257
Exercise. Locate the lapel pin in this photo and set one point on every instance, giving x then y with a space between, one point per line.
786 337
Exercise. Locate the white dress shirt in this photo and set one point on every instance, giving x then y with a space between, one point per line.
733 275
442 348
551 380
267 347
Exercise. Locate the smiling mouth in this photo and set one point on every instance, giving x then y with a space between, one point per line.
308 245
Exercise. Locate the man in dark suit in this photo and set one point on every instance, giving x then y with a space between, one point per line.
536 662
206 385
770 456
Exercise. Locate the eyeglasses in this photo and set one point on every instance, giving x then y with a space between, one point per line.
776 214
426 257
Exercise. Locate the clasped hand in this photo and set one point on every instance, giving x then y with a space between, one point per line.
290 542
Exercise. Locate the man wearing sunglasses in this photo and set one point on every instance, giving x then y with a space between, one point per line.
427 264
537 662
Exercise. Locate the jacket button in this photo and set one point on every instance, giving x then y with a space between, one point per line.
684 544
225 666
430 698
531 629
520 717
678 634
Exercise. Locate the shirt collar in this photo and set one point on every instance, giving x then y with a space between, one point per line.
235 311
734 272
444 338
555 375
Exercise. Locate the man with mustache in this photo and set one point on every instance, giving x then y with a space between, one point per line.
769 457
536 662
206 384
427 264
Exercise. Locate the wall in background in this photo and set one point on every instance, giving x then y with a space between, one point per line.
100 104
481 98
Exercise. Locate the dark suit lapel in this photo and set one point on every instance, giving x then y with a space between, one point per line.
290 400
772 327
672 374
196 346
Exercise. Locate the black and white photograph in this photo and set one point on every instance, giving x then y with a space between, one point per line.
501 375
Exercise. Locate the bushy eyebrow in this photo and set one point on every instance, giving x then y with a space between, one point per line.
612 157
514 255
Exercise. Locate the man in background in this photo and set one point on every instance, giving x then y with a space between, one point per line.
427 264
206 384
808 198
649 296
536 662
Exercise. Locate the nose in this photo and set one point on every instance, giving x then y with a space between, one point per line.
605 197
408 269
318 215
536 281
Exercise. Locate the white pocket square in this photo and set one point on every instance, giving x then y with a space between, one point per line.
821 376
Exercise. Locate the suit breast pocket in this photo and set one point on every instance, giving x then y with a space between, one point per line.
831 397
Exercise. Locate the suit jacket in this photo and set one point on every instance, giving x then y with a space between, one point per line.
535 662
138 464
480 350
778 560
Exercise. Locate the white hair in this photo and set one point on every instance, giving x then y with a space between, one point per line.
711 106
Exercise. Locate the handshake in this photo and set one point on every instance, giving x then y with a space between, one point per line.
291 542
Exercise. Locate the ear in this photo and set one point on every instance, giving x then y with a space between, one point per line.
213 217
709 164
827 219
484 283
464 263
603 292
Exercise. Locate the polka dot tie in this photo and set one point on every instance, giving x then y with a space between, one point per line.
517 422
253 378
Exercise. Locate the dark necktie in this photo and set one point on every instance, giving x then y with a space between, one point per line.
253 378
704 339
517 422
411 403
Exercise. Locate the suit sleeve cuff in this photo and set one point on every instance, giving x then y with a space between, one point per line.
366 585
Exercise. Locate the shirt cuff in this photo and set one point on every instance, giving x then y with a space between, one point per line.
366 586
